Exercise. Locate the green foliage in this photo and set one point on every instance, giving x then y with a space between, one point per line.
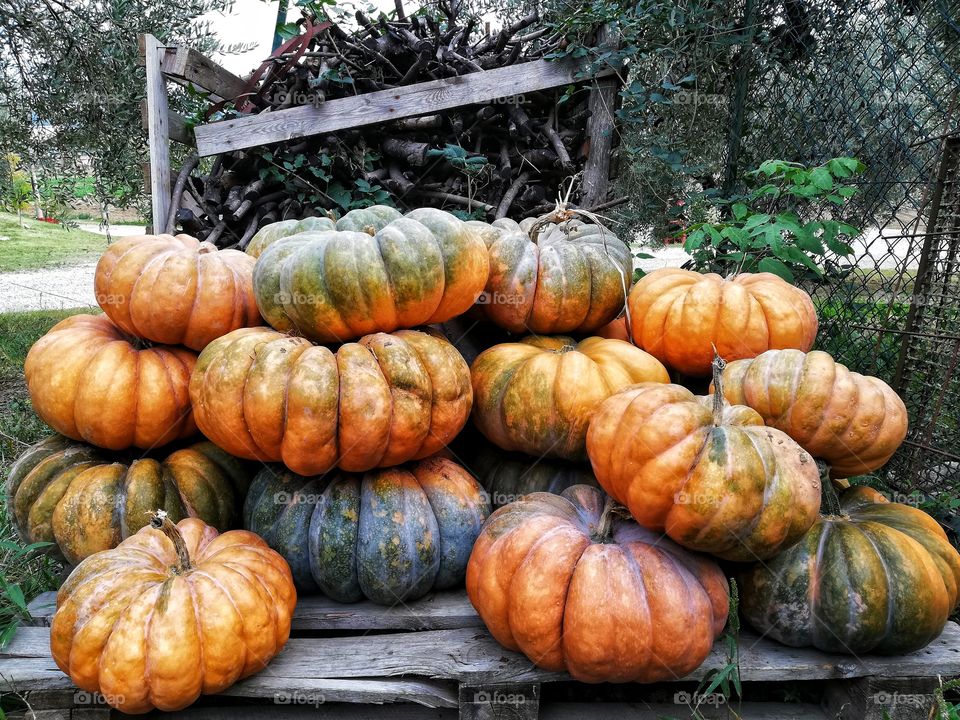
776 226
15 186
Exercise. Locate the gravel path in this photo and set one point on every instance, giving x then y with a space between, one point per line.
48 289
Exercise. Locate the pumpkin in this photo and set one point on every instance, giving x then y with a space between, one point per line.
381 401
536 396
874 577
554 277
175 289
171 614
714 479
270 233
89 381
682 317
84 500
577 588
388 535
615 329
853 422
424 267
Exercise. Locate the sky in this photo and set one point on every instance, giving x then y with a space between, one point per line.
253 21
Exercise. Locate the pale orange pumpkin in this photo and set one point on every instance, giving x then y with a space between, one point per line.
682 317
172 613
176 290
89 381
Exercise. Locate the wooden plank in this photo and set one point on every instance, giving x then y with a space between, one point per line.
382 105
600 130
437 611
294 712
517 701
876 698
658 711
159 133
472 656
176 125
189 67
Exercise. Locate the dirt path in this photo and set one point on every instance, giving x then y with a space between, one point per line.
48 289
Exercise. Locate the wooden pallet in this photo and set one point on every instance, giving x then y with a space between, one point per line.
435 657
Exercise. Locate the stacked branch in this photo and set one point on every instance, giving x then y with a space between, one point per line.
507 157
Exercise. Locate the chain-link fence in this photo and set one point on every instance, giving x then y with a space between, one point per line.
879 81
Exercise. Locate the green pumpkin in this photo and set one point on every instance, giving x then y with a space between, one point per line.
389 535
269 234
377 272
84 499
879 577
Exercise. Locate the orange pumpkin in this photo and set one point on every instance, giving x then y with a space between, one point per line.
577 588
853 422
175 289
550 278
715 480
89 381
615 329
171 614
536 396
681 317
381 401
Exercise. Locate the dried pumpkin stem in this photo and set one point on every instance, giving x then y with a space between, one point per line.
718 400
829 500
162 522
605 524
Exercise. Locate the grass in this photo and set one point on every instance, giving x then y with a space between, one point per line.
41 244
24 573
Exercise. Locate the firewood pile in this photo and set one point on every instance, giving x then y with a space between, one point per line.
509 156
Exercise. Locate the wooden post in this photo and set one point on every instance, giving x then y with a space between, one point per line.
600 129
159 131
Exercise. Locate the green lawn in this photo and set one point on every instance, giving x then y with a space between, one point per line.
40 244
23 575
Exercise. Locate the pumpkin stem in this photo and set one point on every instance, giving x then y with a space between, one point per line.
718 400
162 522
829 500
605 524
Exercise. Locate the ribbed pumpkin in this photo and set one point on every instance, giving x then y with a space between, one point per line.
89 381
85 500
615 329
554 278
682 317
424 267
715 480
879 577
175 289
537 395
509 476
577 588
381 401
853 422
388 535
171 614
269 234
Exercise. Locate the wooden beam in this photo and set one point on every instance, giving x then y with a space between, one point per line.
188 67
159 131
383 105
176 125
600 130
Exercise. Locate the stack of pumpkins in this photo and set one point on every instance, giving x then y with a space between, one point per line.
616 484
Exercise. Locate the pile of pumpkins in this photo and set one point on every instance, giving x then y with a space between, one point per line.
335 353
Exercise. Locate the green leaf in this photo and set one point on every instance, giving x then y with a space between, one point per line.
847 191
821 178
694 240
739 210
340 195
15 594
777 267
755 220
6 635
715 237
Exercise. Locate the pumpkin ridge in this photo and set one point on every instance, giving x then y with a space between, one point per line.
255 352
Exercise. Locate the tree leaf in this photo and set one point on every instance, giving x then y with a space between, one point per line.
777 267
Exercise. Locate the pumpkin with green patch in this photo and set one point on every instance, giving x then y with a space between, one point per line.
269 234
388 535
377 272
84 500
536 396
870 577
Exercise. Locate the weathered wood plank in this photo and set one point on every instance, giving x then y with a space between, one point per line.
658 711
294 712
159 132
383 105
600 130
472 656
437 611
176 124
189 67
879 698
517 701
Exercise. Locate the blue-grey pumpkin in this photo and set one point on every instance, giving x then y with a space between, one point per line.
388 535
